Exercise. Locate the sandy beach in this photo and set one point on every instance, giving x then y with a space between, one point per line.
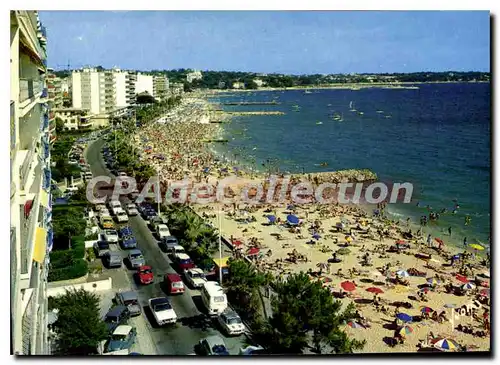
335 244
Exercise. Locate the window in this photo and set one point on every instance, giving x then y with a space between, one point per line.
219 299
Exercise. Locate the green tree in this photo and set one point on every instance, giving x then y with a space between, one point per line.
59 125
145 98
79 327
306 315
67 222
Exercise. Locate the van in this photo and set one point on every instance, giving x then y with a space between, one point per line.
213 298
174 284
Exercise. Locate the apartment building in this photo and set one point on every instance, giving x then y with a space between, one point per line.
93 90
144 84
54 87
160 86
195 75
30 199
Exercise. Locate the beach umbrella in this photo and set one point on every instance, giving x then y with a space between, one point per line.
340 225
426 310
439 240
403 273
485 293
405 330
343 251
316 236
375 290
348 285
271 218
206 169
446 344
462 278
468 286
253 251
292 219
404 317
400 242
237 243
476 246
322 265
354 324
432 281
290 207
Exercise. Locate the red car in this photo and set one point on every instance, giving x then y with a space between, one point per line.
145 275
174 284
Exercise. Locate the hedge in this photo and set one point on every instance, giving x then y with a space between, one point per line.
78 269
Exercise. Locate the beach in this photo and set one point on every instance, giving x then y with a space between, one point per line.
335 243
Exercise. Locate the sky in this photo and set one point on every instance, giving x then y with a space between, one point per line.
290 42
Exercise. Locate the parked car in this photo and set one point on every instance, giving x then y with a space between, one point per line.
167 243
107 222
174 284
213 346
177 250
129 242
162 231
130 300
162 311
122 338
136 259
116 316
124 231
183 262
121 216
145 274
110 235
101 248
131 210
231 322
195 277
112 259
157 220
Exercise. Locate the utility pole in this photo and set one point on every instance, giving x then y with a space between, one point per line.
158 195
220 246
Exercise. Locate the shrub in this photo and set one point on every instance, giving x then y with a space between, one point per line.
77 270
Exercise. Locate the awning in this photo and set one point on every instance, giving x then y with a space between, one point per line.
40 245
222 262
44 199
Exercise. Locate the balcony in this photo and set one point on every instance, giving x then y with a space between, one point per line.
44 122
85 123
45 93
29 89
26 166
13 126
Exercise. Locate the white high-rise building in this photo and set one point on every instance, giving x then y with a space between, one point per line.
160 86
30 200
143 84
93 90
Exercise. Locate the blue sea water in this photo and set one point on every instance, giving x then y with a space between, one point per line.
437 137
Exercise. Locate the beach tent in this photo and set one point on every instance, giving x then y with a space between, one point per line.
271 218
292 219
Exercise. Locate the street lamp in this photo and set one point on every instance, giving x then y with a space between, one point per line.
220 246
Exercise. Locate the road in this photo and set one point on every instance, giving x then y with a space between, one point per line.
193 325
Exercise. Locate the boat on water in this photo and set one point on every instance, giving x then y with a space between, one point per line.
323 164
295 108
380 111
361 113
319 123
351 106
388 116
308 92
338 117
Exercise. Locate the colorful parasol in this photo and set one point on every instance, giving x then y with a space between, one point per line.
432 281
468 286
354 324
253 251
237 243
348 285
403 274
462 278
404 317
446 344
405 330
427 310
375 290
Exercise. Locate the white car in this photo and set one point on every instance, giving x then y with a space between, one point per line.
110 235
121 217
195 277
231 322
104 213
115 207
132 210
162 311
162 231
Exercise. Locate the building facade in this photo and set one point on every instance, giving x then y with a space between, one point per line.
30 200
160 86
195 75
144 84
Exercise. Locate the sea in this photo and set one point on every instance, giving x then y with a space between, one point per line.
436 136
